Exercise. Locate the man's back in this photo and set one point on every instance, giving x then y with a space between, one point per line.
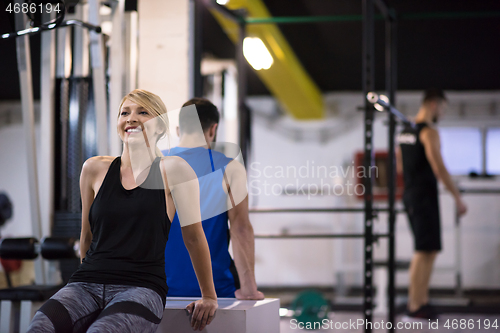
209 166
417 171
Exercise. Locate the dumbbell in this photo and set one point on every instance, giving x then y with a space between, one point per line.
310 306
5 208
51 248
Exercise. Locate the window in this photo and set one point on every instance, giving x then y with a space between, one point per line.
493 151
462 149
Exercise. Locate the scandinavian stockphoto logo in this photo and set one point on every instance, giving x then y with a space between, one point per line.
213 179
309 179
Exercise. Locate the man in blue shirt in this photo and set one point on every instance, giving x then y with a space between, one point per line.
219 203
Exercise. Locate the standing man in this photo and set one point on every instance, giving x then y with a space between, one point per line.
215 172
423 166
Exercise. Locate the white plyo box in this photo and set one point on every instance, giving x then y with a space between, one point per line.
233 316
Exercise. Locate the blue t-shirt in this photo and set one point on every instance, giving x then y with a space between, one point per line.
209 166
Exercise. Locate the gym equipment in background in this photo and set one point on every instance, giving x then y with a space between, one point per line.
51 248
310 307
24 300
5 208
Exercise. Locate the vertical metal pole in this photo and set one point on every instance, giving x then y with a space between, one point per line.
63 71
242 92
131 50
26 87
368 85
6 316
63 52
390 77
47 103
80 44
117 79
484 161
195 48
458 255
191 48
99 81
47 129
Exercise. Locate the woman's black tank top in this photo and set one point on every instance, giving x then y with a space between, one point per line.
129 233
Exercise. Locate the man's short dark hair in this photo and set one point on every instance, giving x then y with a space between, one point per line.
434 94
207 113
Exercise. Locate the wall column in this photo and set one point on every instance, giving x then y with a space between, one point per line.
164 50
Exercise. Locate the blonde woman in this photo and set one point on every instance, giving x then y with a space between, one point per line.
127 208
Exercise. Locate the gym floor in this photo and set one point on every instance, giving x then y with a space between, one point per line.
349 319
482 310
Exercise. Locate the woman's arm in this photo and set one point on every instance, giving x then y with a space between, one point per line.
196 243
184 190
197 246
87 195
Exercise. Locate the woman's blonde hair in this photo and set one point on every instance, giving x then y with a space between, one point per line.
153 104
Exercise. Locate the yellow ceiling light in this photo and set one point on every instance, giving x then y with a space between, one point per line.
256 53
286 79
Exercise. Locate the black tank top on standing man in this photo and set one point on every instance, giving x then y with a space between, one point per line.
129 233
417 171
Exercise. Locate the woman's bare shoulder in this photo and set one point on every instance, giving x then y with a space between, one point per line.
177 168
97 164
173 162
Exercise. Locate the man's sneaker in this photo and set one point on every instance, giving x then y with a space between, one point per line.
425 312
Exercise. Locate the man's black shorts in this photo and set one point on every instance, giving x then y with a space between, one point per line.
422 207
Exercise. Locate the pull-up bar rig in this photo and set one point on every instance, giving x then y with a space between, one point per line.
319 210
26 88
52 26
368 18
58 22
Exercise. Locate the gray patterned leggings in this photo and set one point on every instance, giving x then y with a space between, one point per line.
92 307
